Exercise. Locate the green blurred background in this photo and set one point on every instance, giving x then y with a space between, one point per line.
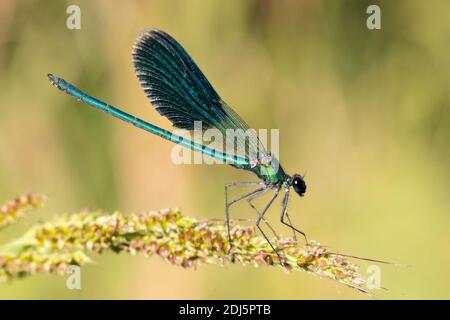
364 113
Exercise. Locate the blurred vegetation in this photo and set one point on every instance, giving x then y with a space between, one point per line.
364 113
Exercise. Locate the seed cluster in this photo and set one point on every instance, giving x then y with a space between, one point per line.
16 208
184 241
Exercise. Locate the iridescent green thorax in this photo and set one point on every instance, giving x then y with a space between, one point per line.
270 173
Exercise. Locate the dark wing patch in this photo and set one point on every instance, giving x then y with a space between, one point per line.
173 82
178 89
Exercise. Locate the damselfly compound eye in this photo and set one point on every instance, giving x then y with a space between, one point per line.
299 185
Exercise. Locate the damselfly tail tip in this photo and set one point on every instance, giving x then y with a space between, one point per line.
53 79
57 82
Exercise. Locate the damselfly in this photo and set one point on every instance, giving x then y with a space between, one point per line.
180 92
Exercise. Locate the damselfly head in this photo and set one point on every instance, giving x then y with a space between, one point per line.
298 184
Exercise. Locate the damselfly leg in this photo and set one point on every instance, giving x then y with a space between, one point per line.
253 194
249 201
261 217
284 213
